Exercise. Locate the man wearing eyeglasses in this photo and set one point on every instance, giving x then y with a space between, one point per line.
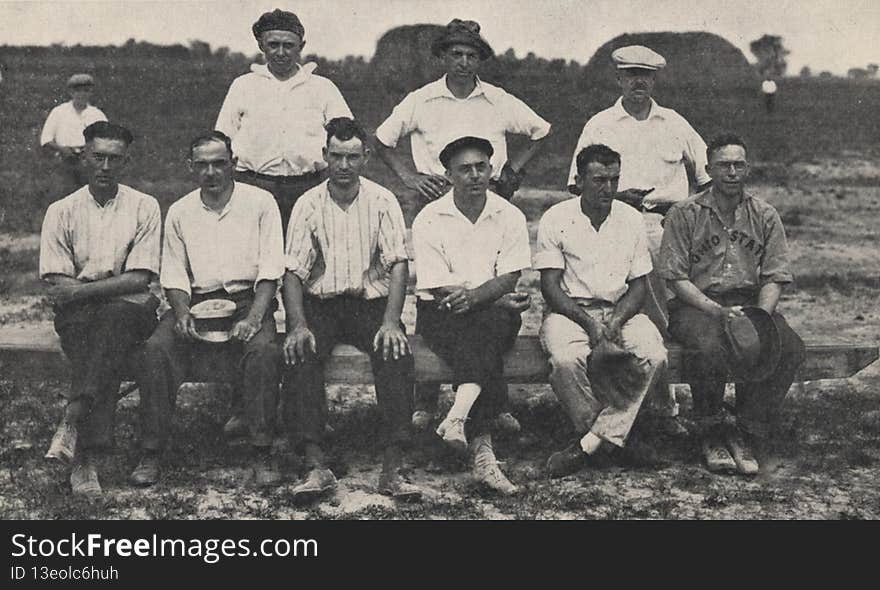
99 251
657 147
723 249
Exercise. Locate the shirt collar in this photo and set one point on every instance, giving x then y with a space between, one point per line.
620 112
494 205
226 207
110 202
707 199
439 89
303 73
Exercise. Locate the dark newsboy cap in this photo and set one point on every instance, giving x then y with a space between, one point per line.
278 20
463 32
464 143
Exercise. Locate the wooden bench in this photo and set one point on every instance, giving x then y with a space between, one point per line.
34 353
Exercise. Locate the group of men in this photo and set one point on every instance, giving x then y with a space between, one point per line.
287 156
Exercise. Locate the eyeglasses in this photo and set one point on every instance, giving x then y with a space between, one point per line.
738 166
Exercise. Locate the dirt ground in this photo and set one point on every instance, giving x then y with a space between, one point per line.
826 463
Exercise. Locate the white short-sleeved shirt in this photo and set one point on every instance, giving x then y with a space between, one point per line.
596 264
277 127
337 251
206 251
435 117
450 250
65 124
87 241
652 152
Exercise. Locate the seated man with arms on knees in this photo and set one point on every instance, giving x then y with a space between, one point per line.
222 242
470 247
593 256
99 250
346 282
724 249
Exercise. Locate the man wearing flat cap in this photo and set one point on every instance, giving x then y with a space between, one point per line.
99 251
470 248
458 104
656 146
276 114
725 249
62 135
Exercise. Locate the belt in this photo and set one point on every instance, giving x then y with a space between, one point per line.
308 176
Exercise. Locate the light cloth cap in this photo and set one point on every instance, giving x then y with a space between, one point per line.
212 318
80 80
637 56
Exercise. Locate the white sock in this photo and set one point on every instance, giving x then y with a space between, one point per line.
590 443
465 397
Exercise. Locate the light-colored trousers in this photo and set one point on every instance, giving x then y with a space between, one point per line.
587 406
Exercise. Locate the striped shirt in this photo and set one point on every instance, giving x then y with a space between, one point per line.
450 250
233 250
90 242
337 251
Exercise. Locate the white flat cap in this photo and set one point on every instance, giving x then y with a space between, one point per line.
637 56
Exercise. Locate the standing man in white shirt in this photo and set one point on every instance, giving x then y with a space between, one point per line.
62 135
457 105
471 246
276 114
99 251
346 282
593 256
657 146
222 241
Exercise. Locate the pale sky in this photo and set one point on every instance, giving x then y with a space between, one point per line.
832 35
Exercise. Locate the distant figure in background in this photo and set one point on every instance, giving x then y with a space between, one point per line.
62 135
768 89
99 250
457 105
656 146
276 113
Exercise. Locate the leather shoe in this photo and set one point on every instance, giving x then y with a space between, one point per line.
718 458
147 471
320 481
567 461
393 484
84 480
63 445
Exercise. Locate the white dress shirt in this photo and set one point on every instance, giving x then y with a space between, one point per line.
277 127
652 152
435 117
596 264
65 124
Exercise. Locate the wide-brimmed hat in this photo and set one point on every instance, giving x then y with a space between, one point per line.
752 345
213 319
463 32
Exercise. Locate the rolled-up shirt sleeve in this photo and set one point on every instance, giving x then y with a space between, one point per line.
548 253
145 250
398 124
515 254
641 260
271 257
523 120
301 252
49 128
673 263
335 105
175 269
392 236
56 257
695 153
432 269
229 117
774 259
